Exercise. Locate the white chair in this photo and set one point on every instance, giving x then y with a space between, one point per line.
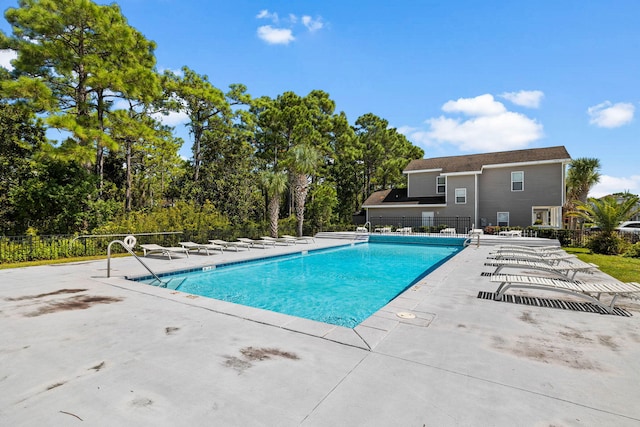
258 242
587 290
309 239
284 240
228 245
152 248
563 269
198 247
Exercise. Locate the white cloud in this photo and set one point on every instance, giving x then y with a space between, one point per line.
506 131
282 32
608 115
172 119
312 25
275 35
265 14
407 130
612 184
489 127
6 56
524 98
483 105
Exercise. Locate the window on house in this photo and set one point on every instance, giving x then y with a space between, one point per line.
441 184
517 181
461 196
503 219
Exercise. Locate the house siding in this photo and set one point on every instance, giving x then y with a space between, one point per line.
542 187
422 184
466 209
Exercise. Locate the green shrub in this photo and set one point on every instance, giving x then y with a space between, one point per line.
288 226
491 229
633 251
183 216
607 244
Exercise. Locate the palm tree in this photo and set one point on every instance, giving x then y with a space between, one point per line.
582 175
304 162
607 213
274 184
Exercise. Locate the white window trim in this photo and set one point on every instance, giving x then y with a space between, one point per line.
512 181
438 185
455 196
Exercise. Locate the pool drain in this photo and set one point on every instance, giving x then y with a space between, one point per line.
406 315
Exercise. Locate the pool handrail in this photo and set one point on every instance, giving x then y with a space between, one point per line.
129 248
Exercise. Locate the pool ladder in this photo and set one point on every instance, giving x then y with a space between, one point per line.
128 244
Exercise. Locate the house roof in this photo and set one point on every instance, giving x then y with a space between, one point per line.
475 162
398 196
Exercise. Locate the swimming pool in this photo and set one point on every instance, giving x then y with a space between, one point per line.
341 286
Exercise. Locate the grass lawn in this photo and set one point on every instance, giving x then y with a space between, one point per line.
622 268
58 261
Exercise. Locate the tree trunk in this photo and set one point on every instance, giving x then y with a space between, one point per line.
197 153
99 146
127 205
274 209
301 187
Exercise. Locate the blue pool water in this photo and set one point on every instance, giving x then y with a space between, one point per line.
342 286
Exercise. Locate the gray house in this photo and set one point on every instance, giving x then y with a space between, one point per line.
509 188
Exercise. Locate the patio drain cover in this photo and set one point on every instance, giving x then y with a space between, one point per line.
405 315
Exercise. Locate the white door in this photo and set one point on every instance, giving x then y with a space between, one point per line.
427 219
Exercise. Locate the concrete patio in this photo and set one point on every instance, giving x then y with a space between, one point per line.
79 348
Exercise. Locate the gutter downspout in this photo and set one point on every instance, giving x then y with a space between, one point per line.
477 198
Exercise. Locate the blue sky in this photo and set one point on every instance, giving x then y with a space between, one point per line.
456 77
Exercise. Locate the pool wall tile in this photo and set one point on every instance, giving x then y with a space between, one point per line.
419 240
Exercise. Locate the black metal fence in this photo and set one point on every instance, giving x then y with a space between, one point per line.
51 247
580 238
33 248
462 224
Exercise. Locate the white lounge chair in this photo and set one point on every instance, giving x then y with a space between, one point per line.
530 251
563 269
587 290
531 248
511 233
259 242
404 230
152 248
552 258
383 230
229 245
198 247
275 240
305 239
450 230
